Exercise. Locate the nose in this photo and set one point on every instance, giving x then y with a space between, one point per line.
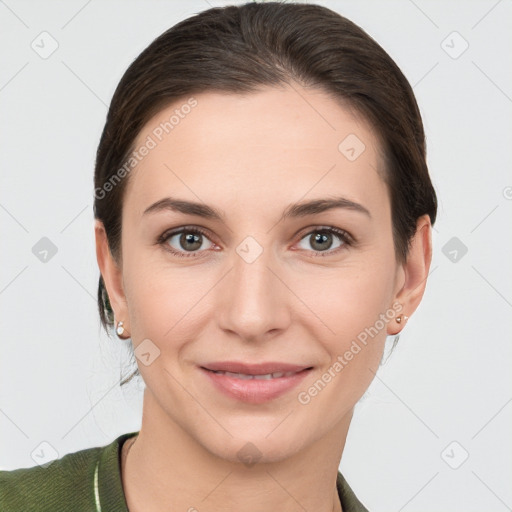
254 302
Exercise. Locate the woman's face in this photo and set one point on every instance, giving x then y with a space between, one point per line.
264 283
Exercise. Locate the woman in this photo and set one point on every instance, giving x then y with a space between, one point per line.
263 222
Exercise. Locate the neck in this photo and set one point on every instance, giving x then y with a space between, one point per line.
167 469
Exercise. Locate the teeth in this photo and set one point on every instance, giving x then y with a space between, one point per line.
244 376
237 375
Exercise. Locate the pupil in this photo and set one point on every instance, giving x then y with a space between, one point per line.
322 237
190 238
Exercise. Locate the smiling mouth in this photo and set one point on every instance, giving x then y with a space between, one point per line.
250 383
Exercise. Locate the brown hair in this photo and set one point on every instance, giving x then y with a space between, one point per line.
239 49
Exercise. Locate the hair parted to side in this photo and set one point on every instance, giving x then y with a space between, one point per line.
241 49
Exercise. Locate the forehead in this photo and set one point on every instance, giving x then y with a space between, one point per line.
277 144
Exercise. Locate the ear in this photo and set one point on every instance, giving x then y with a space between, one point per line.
112 275
415 272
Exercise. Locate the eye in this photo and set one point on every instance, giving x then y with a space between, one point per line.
321 239
185 240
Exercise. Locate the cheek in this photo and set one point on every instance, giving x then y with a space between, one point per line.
161 311
355 309
354 306
167 304
347 300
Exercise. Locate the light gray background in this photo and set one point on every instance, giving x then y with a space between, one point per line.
449 378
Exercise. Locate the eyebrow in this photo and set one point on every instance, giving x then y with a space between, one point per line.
296 210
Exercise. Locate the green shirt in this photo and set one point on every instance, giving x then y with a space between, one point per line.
90 480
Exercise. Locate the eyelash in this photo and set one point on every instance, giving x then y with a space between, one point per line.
347 240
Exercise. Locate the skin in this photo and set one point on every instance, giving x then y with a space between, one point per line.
251 156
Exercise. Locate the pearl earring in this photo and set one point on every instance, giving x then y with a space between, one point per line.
400 317
120 328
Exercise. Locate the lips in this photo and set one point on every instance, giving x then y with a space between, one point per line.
254 383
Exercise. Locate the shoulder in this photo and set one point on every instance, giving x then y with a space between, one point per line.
61 485
51 486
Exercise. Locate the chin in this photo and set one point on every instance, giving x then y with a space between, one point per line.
254 447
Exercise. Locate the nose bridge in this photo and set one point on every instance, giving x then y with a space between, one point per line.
253 302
